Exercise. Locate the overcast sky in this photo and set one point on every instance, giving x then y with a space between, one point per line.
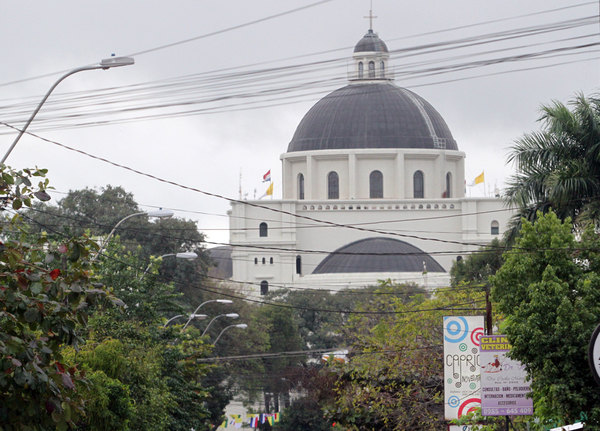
245 106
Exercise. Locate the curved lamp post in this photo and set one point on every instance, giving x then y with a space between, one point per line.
162 214
185 255
221 301
192 316
241 326
107 63
230 315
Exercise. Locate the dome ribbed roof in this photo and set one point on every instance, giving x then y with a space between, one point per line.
374 115
377 255
370 43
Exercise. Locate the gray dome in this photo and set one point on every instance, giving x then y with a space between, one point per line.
375 115
370 43
377 255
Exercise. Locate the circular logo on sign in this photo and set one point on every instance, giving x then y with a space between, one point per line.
456 329
449 381
472 385
468 406
462 347
476 335
453 401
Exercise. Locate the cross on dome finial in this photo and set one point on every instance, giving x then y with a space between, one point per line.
370 16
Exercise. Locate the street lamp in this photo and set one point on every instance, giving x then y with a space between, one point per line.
221 301
230 315
241 326
192 316
184 255
162 214
107 63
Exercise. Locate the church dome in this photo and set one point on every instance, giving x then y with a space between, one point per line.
370 43
377 255
372 115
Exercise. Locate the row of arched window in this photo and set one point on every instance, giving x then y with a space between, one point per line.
375 186
361 67
264 260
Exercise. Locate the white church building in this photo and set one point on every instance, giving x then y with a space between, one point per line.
373 188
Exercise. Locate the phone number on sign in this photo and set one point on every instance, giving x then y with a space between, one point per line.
502 412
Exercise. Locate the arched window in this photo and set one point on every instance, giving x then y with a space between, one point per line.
495 228
271 261
264 287
263 229
299 265
333 185
448 192
418 185
256 260
376 185
300 186
382 69
264 261
371 69
360 70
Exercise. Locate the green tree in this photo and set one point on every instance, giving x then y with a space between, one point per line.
549 291
393 379
131 349
46 290
96 212
477 268
558 168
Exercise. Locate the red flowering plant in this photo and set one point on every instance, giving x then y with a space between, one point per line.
45 292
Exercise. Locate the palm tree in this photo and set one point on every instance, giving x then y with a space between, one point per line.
558 168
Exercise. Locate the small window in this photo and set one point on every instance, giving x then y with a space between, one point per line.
263 230
371 69
376 185
360 70
495 228
448 192
300 187
264 261
256 260
264 287
333 185
299 264
418 185
271 261
382 69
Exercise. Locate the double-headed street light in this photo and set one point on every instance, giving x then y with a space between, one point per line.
184 255
230 315
107 63
191 316
162 214
220 301
241 326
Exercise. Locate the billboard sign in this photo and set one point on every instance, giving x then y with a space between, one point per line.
462 373
503 386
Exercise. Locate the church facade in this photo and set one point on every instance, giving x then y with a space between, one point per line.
373 188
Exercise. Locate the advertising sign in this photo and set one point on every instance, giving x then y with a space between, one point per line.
503 386
460 428
462 373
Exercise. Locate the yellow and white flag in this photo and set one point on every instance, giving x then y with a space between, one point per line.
269 191
478 180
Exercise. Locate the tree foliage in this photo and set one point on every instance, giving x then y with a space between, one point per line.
549 290
46 289
393 379
477 268
558 168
